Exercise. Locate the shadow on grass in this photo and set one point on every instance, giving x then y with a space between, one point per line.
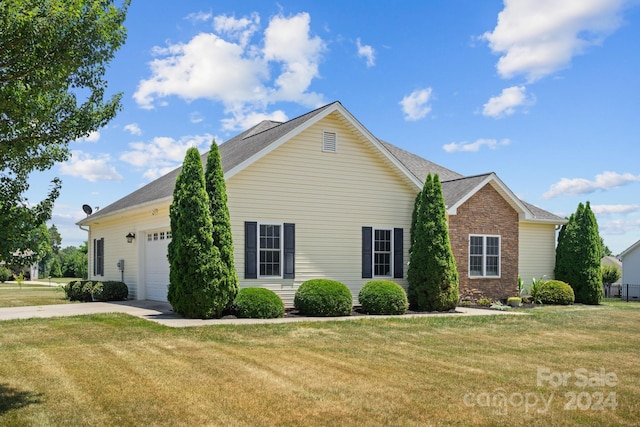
12 398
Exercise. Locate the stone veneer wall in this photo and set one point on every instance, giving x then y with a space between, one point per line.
486 212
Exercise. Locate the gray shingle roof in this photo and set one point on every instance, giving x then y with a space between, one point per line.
455 189
245 145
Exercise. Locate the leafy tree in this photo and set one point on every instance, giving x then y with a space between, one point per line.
579 254
222 236
53 57
195 263
35 247
432 274
56 239
74 262
55 269
610 274
605 249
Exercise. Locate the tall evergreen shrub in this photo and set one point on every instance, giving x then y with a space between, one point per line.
222 236
432 273
578 256
195 264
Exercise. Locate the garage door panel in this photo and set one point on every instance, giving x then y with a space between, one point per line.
156 264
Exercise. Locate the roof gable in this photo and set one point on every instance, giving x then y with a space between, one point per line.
630 249
256 142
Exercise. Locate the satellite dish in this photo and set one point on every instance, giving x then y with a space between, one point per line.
87 209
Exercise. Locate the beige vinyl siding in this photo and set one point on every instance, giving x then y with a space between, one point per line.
537 251
114 230
329 197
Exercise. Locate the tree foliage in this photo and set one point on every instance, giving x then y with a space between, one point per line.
195 263
222 235
53 57
578 255
432 273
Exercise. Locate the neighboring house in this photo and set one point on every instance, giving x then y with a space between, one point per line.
612 289
631 271
320 196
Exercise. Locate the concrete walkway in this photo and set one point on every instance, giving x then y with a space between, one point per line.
161 312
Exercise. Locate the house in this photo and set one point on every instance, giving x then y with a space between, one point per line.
320 196
631 272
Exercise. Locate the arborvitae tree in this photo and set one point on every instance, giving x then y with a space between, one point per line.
432 273
222 236
195 264
566 241
590 256
579 254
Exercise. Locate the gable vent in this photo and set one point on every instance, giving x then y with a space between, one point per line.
329 140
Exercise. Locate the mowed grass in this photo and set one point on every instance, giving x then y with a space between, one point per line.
13 295
115 370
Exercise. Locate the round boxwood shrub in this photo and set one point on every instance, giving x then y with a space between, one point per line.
258 303
383 297
556 292
109 290
5 274
323 297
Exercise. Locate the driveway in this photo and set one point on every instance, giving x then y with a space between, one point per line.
160 312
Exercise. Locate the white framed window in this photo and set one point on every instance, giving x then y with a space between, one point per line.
484 255
270 250
329 141
382 252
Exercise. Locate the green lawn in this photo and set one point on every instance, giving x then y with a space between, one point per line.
12 295
118 370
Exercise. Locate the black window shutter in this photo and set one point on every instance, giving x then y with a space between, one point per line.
367 252
95 257
398 253
289 251
250 250
98 257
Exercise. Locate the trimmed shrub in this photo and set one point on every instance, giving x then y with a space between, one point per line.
5 274
258 303
556 292
323 297
383 297
109 290
485 302
79 290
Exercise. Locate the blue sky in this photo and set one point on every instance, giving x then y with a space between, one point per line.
546 93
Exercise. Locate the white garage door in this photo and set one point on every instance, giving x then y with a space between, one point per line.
156 264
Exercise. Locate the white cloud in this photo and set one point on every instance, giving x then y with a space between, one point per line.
240 30
475 146
162 154
619 226
226 67
535 38
196 117
505 104
133 129
287 42
199 16
91 137
367 52
614 209
415 106
83 165
576 186
246 119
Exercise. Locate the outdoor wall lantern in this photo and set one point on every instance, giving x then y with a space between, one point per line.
130 237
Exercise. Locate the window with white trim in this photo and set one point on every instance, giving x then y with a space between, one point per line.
484 256
382 253
270 238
